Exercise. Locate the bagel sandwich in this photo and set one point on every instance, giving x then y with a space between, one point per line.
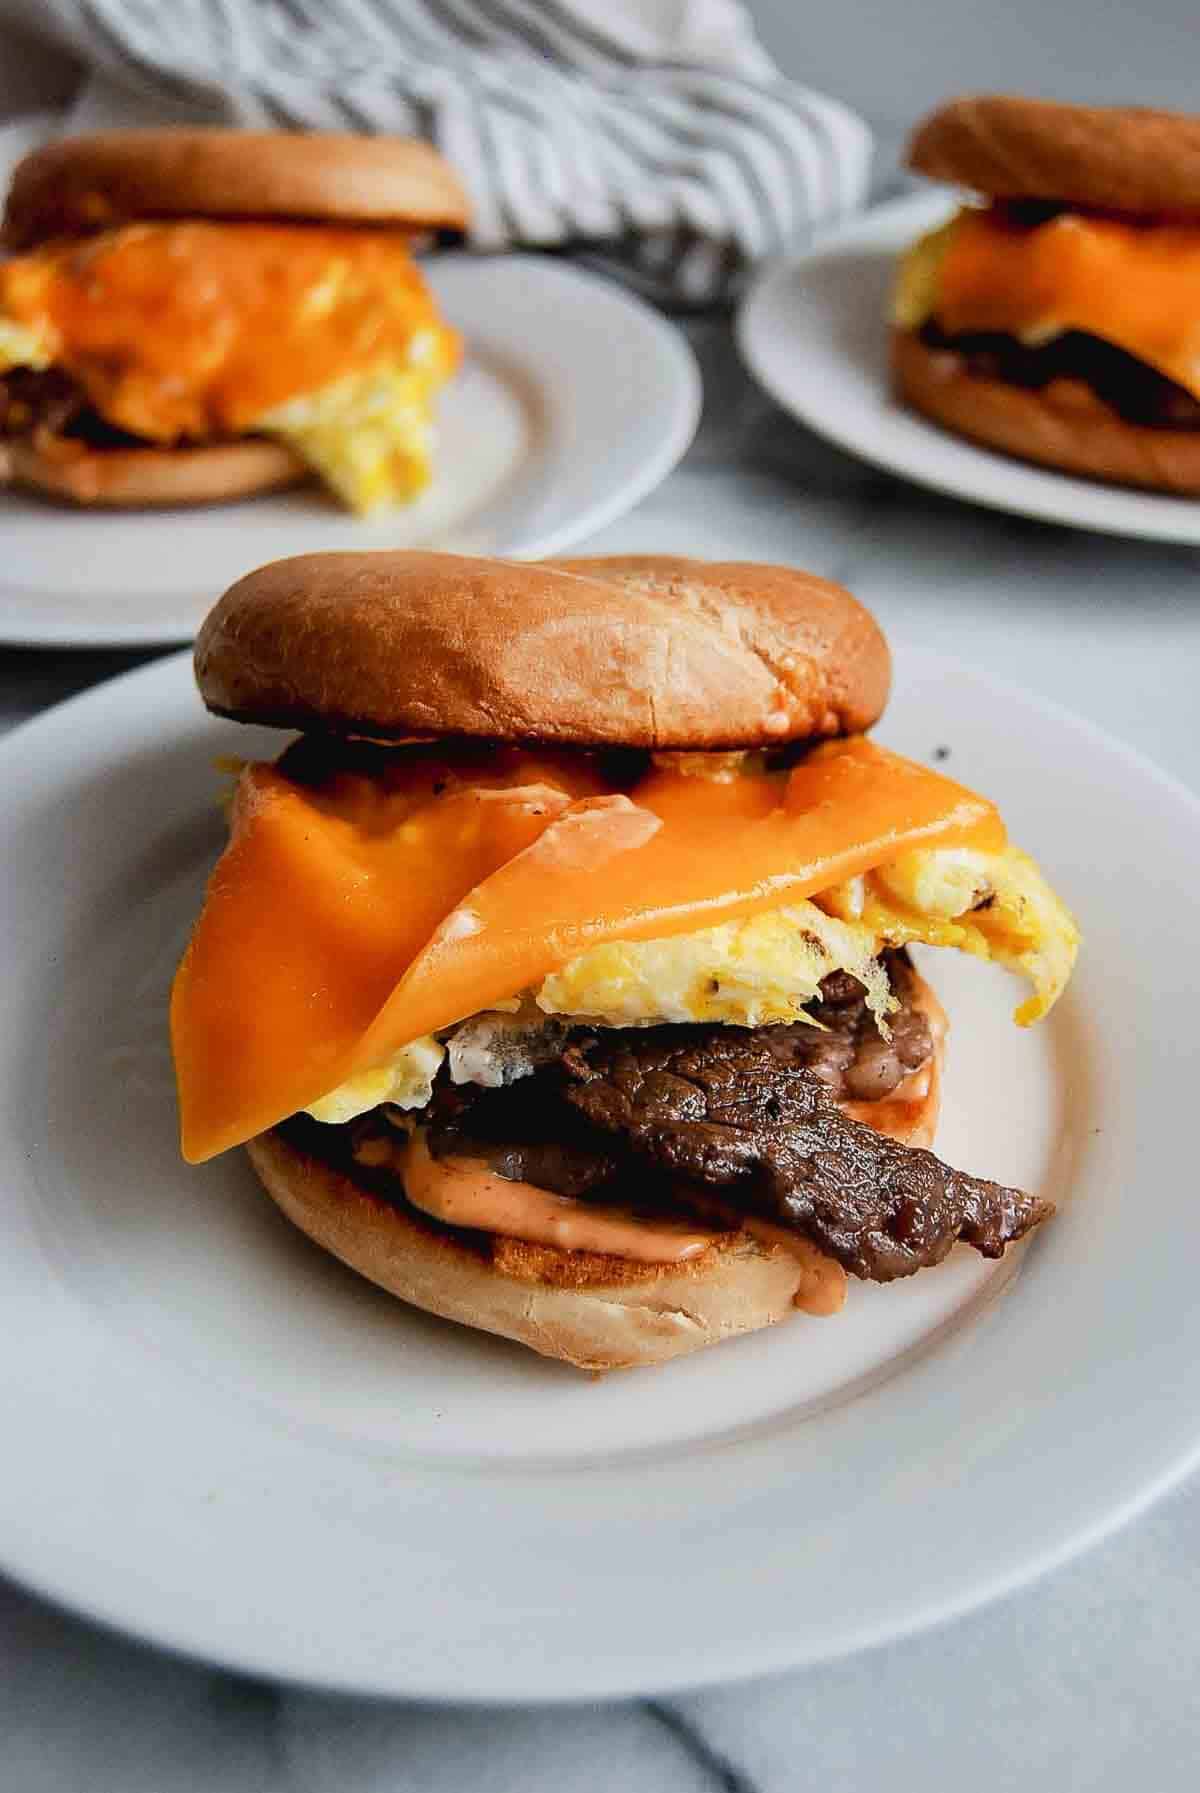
192 315
1054 315
556 977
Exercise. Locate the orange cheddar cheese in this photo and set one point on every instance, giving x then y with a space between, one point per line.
352 916
1136 285
195 329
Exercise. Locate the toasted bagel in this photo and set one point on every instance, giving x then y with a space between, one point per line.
77 185
651 651
1119 158
151 476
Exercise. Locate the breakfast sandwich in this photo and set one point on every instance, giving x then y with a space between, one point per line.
556 976
1055 316
189 315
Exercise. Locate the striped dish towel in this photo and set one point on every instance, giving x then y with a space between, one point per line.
653 135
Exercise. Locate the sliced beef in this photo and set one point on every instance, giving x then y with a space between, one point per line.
842 1047
1137 392
845 1048
718 1108
716 1123
524 1131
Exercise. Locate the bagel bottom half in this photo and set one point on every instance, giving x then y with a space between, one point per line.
1062 425
599 1313
69 470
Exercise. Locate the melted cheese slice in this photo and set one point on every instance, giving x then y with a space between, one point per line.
1135 285
194 329
347 919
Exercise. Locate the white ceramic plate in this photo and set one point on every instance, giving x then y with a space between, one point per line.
575 400
814 332
217 1437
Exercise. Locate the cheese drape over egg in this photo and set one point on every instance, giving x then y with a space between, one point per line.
190 331
1133 283
355 923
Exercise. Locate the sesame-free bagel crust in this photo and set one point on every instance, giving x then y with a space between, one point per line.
71 472
650 651
82 184
1118 158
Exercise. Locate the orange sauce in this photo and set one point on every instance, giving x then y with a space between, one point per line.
463 1192
821 1289
194 329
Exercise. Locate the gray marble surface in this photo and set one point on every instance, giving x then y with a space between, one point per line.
1084 1681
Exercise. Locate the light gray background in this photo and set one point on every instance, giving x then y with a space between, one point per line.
1086 1683
895 59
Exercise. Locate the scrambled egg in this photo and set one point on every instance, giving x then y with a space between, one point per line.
915 295
405 1080
369 436
766 967
21 347
745 973
994 905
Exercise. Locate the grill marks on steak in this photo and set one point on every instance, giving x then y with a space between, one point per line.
710 1107
723 1122
522 1124
1137 392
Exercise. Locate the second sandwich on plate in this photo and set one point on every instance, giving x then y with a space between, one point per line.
556 977
193 315
1057 320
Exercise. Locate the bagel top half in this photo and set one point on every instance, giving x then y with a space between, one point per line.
1129 159
77 185
1053 315
649 651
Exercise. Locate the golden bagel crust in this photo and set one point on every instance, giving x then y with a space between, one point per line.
89 183
736 1287
1064 425
151 476
1120 158
597 1312
649 651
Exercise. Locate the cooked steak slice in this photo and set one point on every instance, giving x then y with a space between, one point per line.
1137 392
717 1107
722 1123
845 1048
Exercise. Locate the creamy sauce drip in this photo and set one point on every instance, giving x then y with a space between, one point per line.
463 1192
822 1286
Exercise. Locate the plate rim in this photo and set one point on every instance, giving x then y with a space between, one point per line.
741 1662
677 419
917 211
